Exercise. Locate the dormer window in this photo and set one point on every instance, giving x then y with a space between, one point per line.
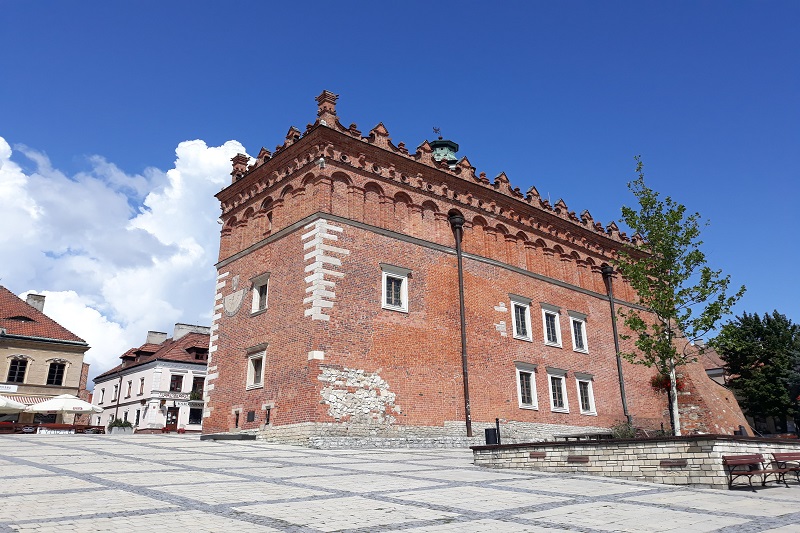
21 318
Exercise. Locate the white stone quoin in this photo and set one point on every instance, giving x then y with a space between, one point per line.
322 257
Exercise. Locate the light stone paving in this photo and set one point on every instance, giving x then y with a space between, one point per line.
175 483
573 487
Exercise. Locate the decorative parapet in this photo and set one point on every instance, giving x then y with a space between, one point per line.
379 137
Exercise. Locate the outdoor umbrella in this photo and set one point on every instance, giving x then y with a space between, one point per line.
7 406
66 403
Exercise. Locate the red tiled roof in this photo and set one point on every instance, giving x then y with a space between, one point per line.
711 360
19 318
169 350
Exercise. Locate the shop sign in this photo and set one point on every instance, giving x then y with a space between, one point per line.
51 431
8 388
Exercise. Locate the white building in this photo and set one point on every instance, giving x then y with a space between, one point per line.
159 384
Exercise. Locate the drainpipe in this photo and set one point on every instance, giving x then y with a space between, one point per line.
608 273
457 223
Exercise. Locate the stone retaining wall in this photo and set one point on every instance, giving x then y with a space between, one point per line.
693 460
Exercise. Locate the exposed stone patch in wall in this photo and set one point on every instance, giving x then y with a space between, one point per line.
501 326
358 397
317 249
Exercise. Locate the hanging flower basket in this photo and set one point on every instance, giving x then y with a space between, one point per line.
660 383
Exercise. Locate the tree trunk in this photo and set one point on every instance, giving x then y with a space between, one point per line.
673 386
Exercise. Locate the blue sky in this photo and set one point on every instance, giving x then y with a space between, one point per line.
96 97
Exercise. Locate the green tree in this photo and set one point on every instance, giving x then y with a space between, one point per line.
762 358
683 297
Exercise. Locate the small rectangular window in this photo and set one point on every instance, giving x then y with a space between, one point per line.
102 395
586 404
526 385
578 330
394 288
16 370
521 317
116 393
195 416
141 386
558 393
550 325
393 291
138 416
521 321
255 371
55 374
577 336
557 386
260 292
176 383
585 393
128 390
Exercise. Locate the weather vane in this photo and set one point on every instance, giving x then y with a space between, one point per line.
437 131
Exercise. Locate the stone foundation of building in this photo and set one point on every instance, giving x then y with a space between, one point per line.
451 435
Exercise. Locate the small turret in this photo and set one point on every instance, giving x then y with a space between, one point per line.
444 150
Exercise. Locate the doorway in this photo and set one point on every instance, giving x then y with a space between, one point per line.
172 418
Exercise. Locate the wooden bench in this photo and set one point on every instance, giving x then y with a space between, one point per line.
750 465
790 461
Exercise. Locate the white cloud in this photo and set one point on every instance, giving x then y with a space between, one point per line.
117 254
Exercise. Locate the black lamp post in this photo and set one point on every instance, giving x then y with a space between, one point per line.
456 220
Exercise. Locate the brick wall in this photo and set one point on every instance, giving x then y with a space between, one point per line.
322 230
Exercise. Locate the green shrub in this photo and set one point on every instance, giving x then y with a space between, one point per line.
119 423
623 430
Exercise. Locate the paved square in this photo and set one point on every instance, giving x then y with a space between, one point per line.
174 483
632 518
342 513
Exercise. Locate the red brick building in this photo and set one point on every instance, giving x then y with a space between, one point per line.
338 310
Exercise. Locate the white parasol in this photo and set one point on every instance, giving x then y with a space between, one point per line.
7 406
66 403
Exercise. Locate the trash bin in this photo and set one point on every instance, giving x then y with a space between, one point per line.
491 435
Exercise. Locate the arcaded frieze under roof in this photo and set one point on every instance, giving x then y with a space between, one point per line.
283 162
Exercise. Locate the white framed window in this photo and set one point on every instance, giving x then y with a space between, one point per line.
526 385
116 392
558 390
394 287
255 370
551 325
102 395
260 292
577 327
128 389
585 393
521 317
141 386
